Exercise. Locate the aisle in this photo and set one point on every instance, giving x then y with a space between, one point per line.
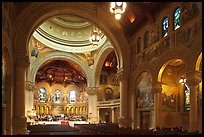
53 129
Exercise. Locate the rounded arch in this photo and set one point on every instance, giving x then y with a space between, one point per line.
100 60
144 67
30 22
199 63
182 53
59 55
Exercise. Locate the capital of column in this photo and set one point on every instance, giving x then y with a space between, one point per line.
121 75
30 86
156 87
193 78
93 90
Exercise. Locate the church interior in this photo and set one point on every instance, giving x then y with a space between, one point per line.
134 65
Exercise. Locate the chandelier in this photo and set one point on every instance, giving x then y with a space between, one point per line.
95 36
118 8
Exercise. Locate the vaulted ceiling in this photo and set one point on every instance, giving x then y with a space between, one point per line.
71 30
60 71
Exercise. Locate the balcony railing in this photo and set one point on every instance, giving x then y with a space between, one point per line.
109 103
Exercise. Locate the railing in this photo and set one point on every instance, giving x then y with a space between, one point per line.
63 103
109 103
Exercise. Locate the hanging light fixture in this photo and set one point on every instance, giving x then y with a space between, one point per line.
118 8
95 36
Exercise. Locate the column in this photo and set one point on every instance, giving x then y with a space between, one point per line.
123 119
29 99
92 104
192 80
157 89
98 112
19 121
9 105
132 108
113 114
4 100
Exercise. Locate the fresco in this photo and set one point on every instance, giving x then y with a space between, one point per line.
145 96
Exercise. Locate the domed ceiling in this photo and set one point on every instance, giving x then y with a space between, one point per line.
67 33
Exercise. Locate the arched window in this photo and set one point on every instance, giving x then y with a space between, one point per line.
42 94
57 96
165 27
186 98
177 18
72 96
146 40
139 45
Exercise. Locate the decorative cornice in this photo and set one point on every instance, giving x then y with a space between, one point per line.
156 87
93 90
121 75
30 86
193 78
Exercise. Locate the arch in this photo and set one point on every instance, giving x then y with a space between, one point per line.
59 55
198 62
180 53
144 67
100 60
30 23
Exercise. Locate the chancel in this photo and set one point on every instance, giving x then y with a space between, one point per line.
140 74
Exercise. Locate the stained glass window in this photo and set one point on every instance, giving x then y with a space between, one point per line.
186 98
57 96
42 94
177 19
72 96
165 27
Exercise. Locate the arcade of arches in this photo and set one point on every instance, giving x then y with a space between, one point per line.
147 79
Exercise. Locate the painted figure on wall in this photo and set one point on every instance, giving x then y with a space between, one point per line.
57 96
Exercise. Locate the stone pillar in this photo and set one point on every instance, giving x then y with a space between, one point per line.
157 89
98 112
132 108
123 119
92 104
3 119
19 121
113 114
9 105
192 80
29 98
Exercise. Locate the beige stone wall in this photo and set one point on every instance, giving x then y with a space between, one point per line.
115 88
161 50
